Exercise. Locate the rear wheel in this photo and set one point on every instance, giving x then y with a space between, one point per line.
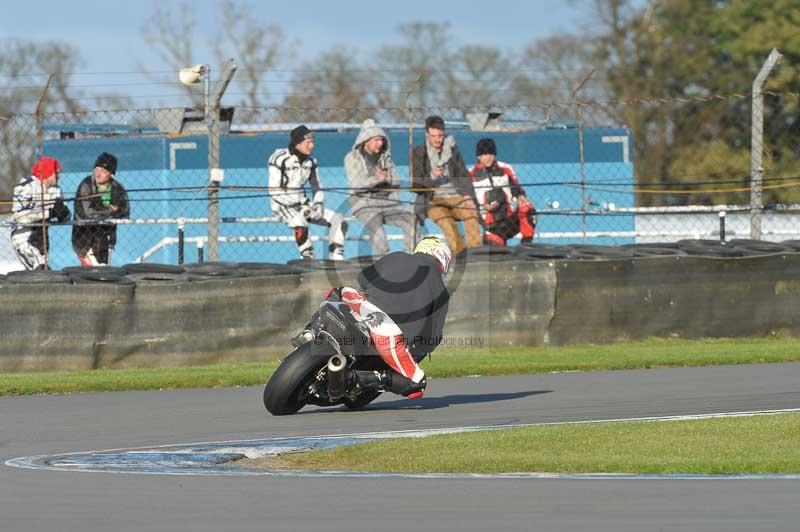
287 389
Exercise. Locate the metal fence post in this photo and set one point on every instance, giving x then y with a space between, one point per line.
581 153
215 174
757 145
181 241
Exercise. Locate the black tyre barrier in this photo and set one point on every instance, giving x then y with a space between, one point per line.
651 250
709 248
794 244
159 277
110 270
363 261
589 252
316 265
213 269
99 277
541 251
37 277
760 247
153 267
261 269
489 253
662 245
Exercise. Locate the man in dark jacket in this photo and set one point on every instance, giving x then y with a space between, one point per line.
443 186
99 197
403 301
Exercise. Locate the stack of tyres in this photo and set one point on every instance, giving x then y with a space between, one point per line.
98 274
267 269
659 249
590 252
709 248
488 254
200 271
154 273
540 251
760 247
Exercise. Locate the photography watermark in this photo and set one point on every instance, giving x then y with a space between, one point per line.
418 343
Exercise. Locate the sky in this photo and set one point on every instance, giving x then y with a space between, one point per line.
109 36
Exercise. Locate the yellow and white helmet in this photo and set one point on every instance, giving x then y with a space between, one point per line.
437 248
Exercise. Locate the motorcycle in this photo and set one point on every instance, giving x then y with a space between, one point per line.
320 371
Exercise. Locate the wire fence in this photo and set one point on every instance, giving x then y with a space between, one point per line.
597 172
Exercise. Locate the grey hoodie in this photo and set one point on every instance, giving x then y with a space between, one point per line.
365 186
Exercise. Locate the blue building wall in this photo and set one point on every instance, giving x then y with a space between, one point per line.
547 162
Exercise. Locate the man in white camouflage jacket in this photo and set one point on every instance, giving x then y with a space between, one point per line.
38 200
290 169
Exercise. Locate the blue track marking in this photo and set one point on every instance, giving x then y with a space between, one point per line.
221 458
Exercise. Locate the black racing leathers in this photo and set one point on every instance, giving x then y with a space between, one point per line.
410 289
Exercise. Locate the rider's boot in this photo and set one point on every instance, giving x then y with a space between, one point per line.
389 380
372 380
406 387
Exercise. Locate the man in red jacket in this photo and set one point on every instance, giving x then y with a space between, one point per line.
503 206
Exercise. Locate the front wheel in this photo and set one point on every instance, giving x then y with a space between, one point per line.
287 389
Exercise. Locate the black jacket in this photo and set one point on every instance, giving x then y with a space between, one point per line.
421 177
410 289
89 206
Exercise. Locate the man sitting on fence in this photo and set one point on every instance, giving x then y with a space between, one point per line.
290 169
504 208
373 180
444 189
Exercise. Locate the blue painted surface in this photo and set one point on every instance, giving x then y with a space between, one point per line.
220 458
547 162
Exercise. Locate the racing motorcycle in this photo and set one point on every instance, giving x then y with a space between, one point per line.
320 371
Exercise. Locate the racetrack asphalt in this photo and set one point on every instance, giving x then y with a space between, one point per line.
32 500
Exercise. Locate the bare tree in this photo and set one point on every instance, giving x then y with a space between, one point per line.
171 35
418 65
257 47
478 75
26 66
332 87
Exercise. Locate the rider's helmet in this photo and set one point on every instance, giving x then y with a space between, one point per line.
438 248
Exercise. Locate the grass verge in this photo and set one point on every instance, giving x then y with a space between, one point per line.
740 445
452 362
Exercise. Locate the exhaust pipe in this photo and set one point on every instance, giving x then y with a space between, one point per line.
337 376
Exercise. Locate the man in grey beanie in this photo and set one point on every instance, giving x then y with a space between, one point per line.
373 180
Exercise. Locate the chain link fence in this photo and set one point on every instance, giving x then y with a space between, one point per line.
597 172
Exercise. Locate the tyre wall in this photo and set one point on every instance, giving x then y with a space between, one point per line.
514 301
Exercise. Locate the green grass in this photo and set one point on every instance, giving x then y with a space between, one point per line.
115 380
644 354
450 362
758 444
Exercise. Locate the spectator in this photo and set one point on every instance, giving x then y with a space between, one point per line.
99 197
373 178
505 210
446 193
37 200
290 169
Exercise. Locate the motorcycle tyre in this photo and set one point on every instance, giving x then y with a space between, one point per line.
297 370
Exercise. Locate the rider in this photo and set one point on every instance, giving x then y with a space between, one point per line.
403 301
